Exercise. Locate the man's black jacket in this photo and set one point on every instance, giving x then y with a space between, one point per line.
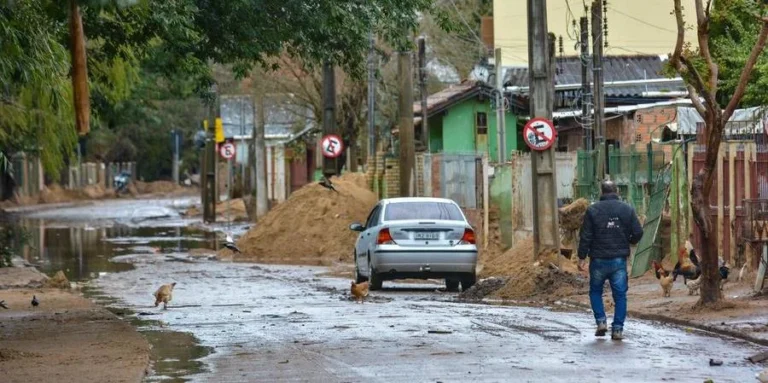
610 226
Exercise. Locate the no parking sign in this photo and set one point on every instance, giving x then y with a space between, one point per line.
332 146
539 134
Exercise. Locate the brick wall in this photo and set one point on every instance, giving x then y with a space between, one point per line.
391 177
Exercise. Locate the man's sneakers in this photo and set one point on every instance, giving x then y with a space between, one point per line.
617 334
602 329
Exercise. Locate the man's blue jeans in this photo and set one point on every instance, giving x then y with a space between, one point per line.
615 271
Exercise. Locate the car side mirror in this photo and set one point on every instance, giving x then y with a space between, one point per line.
356 227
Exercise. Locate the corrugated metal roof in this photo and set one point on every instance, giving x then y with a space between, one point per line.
281 119
615 68
743 121
449 96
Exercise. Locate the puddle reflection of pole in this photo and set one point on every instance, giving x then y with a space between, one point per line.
80 251
178 237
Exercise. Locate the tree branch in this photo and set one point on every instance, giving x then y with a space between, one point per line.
694 96
746 72
703 18
678 53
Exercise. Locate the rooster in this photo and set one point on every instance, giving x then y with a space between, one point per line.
164 295
724 271
359 291
687 264
693 286
666 280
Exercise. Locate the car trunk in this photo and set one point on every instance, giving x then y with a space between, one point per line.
423 233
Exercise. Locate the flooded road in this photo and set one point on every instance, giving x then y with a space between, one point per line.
254 323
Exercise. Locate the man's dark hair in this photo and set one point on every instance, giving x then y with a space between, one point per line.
608 187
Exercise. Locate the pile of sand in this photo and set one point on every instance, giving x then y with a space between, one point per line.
156 187
96 192
571 219
312 226
235 210
547 278
54 193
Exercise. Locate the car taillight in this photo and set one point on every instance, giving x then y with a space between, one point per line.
469 237
384 238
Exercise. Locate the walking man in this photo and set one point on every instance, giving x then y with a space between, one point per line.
610 227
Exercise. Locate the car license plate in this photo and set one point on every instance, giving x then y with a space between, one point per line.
426 236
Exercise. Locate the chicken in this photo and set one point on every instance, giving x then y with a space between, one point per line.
724 271
326 183
35 302
658 270
762 377
164 295
3 305
693 286
687 264
359 291
666 282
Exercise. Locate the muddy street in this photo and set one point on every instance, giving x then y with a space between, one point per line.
237 322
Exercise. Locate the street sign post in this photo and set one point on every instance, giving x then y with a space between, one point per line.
539 134
227 151
332 146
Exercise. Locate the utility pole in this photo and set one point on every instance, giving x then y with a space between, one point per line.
597 68
210 185
242 101
546 232
586 95
259 161
329 114
501 128
423 92
406 135
175 135
371 100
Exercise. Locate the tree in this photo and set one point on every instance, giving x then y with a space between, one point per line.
700 69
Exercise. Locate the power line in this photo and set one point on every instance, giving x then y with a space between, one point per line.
643 21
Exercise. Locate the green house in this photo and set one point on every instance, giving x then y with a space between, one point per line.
462 119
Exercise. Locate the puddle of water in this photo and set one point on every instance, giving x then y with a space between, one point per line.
84 252
174 355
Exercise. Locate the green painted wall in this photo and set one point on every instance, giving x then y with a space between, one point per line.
459 128
454 131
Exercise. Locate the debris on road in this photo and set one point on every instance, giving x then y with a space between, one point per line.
715 362
757 358
312 226
439 332
482 289
526 279
59 281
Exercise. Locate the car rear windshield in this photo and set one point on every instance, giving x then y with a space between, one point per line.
402 211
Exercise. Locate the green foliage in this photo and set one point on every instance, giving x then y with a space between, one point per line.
734 31
35 105
12 240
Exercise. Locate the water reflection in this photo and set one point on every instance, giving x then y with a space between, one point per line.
83 251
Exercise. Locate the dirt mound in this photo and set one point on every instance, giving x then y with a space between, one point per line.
482 289
235 209
551 276
96 192
54 193
311 227
156 187
358 179
572 215
59 281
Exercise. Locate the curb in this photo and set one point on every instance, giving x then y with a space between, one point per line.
682 323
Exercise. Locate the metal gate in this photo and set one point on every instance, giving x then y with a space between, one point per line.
458 176
648 248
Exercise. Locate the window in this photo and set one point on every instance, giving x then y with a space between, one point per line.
481 122
639 138
373 218
403 211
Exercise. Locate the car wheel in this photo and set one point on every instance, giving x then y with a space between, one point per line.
468 281
451 285
374 280
358 277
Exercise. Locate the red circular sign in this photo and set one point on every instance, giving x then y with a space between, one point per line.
332 146
539 134
227 150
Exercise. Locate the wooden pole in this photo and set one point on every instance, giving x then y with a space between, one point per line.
546 233
423 93
259 161
406 135
586 93
599 99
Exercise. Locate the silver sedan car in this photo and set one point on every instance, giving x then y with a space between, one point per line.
421 238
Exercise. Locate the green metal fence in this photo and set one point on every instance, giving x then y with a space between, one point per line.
630 169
